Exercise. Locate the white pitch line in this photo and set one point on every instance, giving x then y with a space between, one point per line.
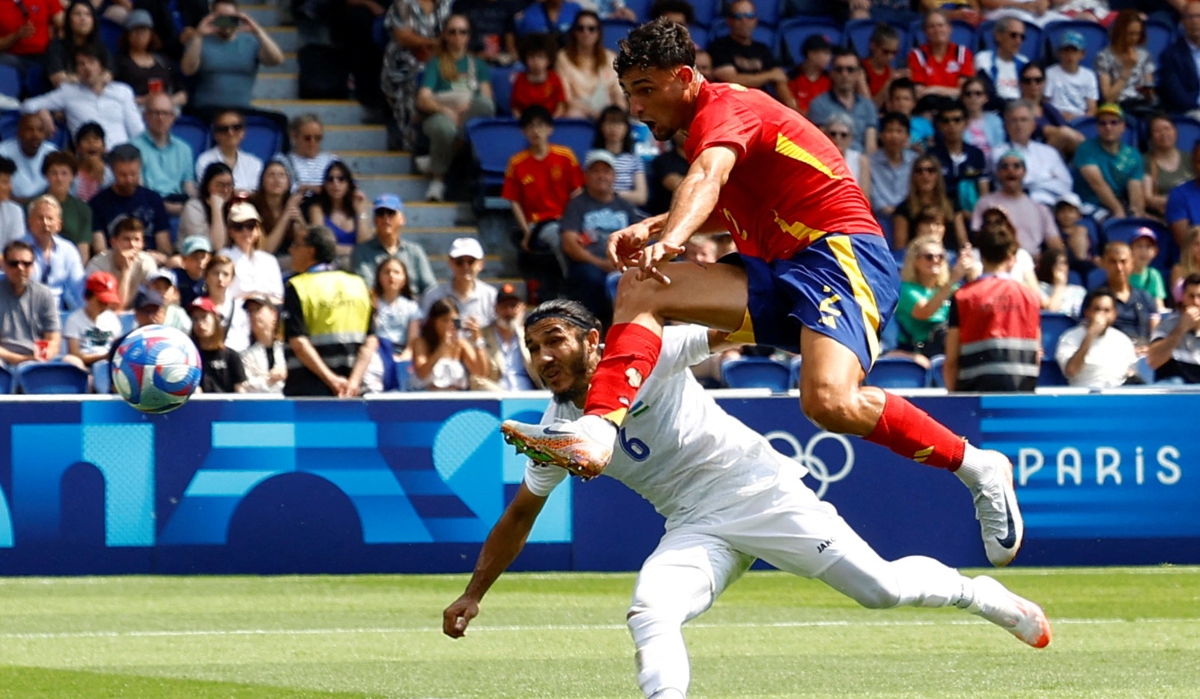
525 628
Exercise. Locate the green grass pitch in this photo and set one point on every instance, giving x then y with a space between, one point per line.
1119 632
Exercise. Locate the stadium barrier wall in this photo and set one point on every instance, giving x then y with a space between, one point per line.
414 483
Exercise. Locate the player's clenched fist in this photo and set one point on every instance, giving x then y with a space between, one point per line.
458 615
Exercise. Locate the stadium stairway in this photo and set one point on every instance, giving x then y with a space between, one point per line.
364 149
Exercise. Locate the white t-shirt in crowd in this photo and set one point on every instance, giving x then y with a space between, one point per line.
94 335
1107 362
1069 92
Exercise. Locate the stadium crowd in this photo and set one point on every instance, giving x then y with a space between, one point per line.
1033 164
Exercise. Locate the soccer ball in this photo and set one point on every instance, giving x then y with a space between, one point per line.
156 368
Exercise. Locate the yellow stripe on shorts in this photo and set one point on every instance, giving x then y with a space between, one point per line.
843 252
744 334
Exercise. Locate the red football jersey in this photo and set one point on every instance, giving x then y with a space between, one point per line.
790 185
548 94
542 187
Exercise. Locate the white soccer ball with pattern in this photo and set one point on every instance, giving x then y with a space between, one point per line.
156 368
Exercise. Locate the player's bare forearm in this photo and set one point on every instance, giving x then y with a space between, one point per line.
505 541
697 194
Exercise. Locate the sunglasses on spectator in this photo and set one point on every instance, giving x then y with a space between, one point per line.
1033 80
18 263
241 226
589 28
1016 35
933 256
889 52
744 15
460 261
228 128
925 170
973 93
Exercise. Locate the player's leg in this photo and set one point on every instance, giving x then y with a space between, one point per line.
712 295
678 582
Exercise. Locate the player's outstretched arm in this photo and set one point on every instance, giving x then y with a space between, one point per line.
503 544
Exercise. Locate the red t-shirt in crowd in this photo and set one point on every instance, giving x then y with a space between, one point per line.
548 94
542 187
930 72
876 79
14 14
805 89
790 185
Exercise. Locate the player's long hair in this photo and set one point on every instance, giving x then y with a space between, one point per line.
659 44
572 49
937 198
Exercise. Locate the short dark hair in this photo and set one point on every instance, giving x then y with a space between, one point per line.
534 44
58 157
894 118
996 244
1192 279
124 153
535 113
842 52
323 243
1104 291
7 167
17 245
89 129
571 311
664 7
659 44
89 50
902 84
128 223
955 105
224 112
883 32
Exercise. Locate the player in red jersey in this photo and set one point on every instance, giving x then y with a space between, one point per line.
813 274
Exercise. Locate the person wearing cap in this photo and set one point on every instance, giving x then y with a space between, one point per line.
388 242
326 321
1002 65
223 370
195 252
263 360
1034 222
28 150
255 271
95 97
1072 87
739 58
127 197
1108 172
591 216
1178 74
1094 354
476 300
90 330
1076 236
878 68
1046 174
510 365
149 308
812 75
1145 276
166 158
163 282
57 262
844 98
126 260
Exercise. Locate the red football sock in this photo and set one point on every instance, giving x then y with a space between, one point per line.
910 432
630 353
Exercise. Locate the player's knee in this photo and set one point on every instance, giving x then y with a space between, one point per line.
830 407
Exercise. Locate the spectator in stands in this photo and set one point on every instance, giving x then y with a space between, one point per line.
140 65
166 158
926 284
59 170
1029 11
388 243
840 129
126 260
1125 67
1166 166
877 66
591 217
1093 354
56 260
1136 311
149 308
811 77
1033 220
90 330
1002 66
1073 88
701 249
844 98
985 130
254 270
352 24
538 84
902 99
93 173
414 30
279 207
1108 172
964 167
306 163
1046 175
30 324
397 316
704 65
1145 276
940 66
1183 203
927 189
504 345
126 197
475 300
538 182
1059 295
494 35
667 171
202 213
993 308
223 370
678 11
263 361
12 218
956 11
554 17
738 58
1052 127
163 282
586 68
28 151
81 28
614 134
1024 267
96 97
25 32
224 56
891 165
455 88
445 359
342 207
1174 351
1179 76
190 277
1081 252
1189 262
229 129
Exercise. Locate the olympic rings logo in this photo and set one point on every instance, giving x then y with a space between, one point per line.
817 468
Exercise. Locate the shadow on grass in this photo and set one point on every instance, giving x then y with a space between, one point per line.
38 683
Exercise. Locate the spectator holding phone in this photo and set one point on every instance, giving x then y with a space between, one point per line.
224 56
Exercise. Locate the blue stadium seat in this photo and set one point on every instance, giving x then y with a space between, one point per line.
576 134
961 33
762 33
110 35
614 30
494 141
1096 278
794 32
1053 326
1093 230
10 82
707 11
52 378
403 370
768 12
1031 45
1075 278
1094 35
756 372
101 376
699 35
193 132
7 381
502 87
897 372
890 336
1051 374
61 138
8 123
1189 133
641 8
937 379
264 137
794 370
1159 36
1086 125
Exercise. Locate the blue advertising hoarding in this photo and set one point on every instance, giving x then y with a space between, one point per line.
414 484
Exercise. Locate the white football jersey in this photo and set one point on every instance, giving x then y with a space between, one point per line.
677 447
